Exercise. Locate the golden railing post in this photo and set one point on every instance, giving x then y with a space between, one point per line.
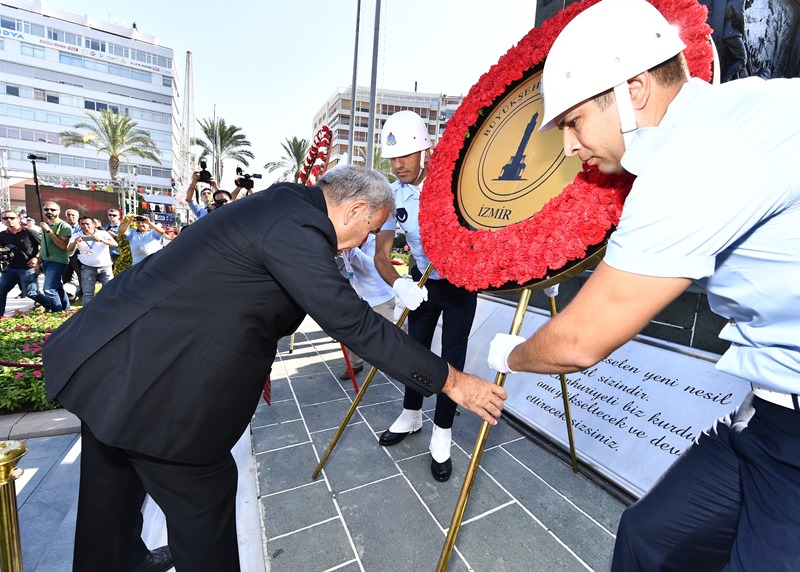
10 546
565 396
477 452
363 389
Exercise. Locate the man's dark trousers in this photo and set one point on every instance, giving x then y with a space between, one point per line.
457 308
199 502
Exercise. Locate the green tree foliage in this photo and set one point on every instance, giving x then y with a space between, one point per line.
222 141
115 135
295 151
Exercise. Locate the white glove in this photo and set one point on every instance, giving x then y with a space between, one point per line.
552 291
409 293
501 346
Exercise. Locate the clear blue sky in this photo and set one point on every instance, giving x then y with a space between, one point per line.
270 65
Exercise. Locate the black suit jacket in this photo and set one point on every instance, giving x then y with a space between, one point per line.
170 357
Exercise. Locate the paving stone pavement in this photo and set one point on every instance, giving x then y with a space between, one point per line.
372 509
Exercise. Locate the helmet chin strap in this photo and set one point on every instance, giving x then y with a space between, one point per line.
422 160
627 120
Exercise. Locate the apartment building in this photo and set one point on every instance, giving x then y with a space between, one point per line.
434 108
54 67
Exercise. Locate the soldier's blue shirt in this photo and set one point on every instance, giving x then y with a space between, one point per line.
717 200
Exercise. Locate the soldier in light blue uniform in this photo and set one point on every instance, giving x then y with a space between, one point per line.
407 145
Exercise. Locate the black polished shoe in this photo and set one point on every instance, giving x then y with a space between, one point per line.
346 372
388 438
158 560
441 471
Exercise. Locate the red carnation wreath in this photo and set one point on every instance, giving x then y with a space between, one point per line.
570 224
316 161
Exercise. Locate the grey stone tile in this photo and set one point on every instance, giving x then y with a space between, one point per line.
380 390
43 469
357 458
316 549
467 426
509 540
441 498
589 541
284 469
328 415
279 412
390 527
57 556
270 437
43 515
585 494
298 367
291 510
316 388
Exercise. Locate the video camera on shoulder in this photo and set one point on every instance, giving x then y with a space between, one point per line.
205 176
246 181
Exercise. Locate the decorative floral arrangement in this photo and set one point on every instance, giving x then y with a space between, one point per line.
580 217
22 337
316 162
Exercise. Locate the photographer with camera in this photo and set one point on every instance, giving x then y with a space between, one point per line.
218 198
144 238
19 252
244 181
91 246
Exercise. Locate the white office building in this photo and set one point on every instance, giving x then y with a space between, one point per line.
54 67
434 108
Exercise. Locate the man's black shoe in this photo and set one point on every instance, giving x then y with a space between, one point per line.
346 372
158 560
388 438
441 471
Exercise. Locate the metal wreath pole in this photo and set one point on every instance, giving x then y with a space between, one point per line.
568 419
363 389
10 453
477 452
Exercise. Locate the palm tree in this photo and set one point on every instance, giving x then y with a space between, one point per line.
295 151
223 141
114 134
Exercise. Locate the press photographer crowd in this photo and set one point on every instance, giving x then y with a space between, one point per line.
60 262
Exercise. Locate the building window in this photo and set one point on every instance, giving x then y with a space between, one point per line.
34 29
34 51
12 90
142 76
38 94
8 23
56 35
166 81
52 98
95 45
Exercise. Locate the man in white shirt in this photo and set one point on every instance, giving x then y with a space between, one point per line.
92 247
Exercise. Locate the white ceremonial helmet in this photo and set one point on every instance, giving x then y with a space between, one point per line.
404 133
602 48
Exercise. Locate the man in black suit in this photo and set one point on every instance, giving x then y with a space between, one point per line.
165 382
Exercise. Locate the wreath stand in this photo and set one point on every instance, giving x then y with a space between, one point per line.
373 370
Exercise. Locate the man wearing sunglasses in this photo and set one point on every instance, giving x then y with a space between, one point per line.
54 259
112 228
19 251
